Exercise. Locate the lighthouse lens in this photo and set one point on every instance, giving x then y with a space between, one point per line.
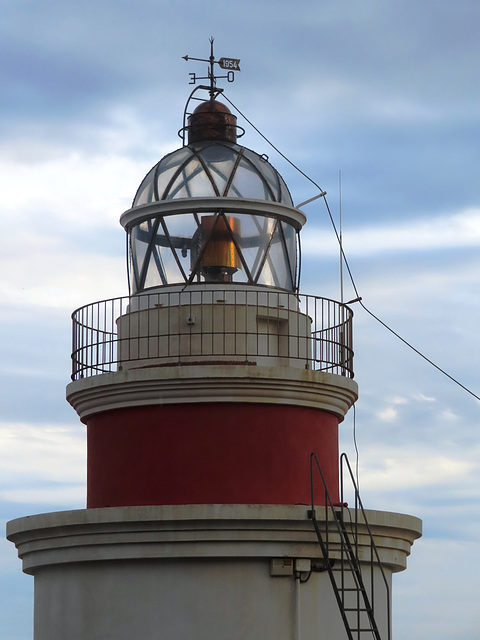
214 247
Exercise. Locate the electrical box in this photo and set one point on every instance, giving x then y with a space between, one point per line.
281 567
303 565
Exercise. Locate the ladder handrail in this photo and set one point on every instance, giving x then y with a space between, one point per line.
358 501
325 545
348 557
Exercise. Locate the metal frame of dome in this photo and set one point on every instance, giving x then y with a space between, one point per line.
213 169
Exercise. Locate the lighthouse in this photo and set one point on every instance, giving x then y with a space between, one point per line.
212 396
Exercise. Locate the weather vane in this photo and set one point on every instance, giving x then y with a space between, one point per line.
229 64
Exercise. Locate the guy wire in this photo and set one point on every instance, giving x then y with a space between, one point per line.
350 275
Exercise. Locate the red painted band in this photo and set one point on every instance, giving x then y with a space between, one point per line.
209 454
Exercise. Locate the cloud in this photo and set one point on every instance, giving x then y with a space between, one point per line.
41 457
65 240
390 413
47 496
427 602
68 285
385 469
424 398
436 233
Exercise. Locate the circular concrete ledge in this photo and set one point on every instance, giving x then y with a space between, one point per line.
212 383
196 532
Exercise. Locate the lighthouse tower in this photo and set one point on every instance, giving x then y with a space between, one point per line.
207 393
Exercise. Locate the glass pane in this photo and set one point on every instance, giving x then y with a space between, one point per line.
145 191
168 166
291 244
240 275
248 183
285 196
273 178
162 268
156 274
256 232
183 232
220 161
267 171
275 272
140 239
172 270
192 182
132 268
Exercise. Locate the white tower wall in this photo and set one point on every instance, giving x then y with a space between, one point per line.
204 571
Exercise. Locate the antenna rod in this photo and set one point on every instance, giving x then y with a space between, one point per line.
211 72
340 233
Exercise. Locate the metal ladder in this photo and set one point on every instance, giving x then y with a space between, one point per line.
354 600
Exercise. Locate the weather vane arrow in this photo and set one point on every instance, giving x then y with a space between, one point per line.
187 58
230 64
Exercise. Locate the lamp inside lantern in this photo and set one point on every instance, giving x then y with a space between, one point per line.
220 259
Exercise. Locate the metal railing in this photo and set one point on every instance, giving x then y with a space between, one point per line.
212 325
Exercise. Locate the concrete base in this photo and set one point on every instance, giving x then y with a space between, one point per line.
191 571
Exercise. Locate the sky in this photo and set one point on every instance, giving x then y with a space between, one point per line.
385 92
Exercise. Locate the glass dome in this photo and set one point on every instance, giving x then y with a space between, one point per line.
213 169
212 212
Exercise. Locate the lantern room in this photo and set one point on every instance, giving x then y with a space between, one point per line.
213 212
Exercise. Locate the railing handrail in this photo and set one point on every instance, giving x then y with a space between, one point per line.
314 330
174 290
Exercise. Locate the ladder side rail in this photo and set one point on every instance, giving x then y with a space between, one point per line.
373 547
345 555
358 577
325 545
348 556
354 533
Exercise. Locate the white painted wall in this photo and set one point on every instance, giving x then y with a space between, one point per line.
202 572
